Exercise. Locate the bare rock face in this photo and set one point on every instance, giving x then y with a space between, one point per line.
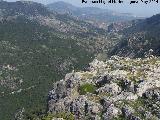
151 84
111 112
128 113
115 89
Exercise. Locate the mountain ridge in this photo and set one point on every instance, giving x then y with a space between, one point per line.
138 39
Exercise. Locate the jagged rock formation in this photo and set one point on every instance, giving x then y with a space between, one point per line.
119 88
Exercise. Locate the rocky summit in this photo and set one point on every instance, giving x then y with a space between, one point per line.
119 88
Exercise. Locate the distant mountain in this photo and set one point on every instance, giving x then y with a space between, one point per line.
38 47
138 39
90 13
62 7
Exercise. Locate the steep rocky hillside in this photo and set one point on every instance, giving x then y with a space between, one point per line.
139 38
117 89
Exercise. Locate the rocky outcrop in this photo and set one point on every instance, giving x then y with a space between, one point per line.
118 88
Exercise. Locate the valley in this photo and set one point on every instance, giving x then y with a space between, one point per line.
40 44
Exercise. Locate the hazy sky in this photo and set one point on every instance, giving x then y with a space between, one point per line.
140 9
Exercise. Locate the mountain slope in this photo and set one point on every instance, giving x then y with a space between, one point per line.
138 39
37 48
32 57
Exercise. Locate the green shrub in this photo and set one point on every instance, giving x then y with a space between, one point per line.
83 89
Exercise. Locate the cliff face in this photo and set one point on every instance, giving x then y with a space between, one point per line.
119 88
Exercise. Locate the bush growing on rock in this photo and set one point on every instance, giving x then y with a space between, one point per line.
83 89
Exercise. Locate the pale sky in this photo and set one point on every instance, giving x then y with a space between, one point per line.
140 9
